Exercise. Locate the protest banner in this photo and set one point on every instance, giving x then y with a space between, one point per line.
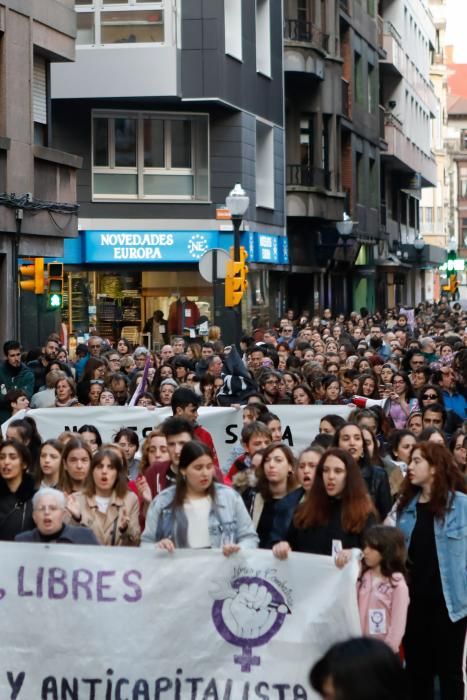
299 423
88 623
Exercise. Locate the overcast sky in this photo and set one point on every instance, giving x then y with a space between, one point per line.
456 28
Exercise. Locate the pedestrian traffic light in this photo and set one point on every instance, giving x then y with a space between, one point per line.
35 270
235 282
55 294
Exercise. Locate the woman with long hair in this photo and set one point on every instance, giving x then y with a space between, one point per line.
432 513
337 509
401 445
16 489
457 447
332 390
401 400
274 498
65 393
50 457
106 505
305 470
91 436
75 466
25 430
302 395
349 437
197 512
367 386
93 375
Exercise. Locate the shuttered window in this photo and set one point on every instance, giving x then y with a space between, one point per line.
39 90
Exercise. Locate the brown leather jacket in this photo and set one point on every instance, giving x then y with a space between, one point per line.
106 526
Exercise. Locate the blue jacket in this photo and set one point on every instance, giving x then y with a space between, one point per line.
228 519
451 547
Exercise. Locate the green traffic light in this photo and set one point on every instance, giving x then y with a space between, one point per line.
55 301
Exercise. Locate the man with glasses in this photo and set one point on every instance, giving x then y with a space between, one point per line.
269 387
94 350
48 514
287 335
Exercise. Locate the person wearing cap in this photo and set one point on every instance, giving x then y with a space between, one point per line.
48 513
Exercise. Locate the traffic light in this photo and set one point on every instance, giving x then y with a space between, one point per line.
55 294
235 282
35 270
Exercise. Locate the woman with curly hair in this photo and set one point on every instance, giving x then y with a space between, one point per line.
432 513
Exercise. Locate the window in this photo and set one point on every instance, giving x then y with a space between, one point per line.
140 155
119 22
358 78
372 89
464 232
464 139
463 187
306 140
40 100
361 183
264 165
263 38
374 184
233 28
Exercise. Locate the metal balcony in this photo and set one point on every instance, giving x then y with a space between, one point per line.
307 176
305 32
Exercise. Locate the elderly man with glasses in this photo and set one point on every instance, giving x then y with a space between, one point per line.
48 514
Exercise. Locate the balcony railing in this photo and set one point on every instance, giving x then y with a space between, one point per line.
390 119
306 32
307 176
346 111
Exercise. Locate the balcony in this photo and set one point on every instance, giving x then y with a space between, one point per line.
395 60
307 176
407 156
304 32
382 118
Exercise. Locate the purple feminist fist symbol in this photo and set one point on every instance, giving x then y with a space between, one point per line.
248 614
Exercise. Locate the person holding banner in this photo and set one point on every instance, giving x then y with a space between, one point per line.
197 512
273 501
106 505
334 516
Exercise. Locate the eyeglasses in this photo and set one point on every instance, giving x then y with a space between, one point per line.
95 346
398 381
47 509
429 396
271 381
96 381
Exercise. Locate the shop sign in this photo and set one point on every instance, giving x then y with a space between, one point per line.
147 246
267 248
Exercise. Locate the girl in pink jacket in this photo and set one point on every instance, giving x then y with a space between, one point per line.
383 595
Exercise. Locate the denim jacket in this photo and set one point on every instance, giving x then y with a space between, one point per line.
451 548
229 522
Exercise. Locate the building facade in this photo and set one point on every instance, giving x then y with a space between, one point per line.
37 180
171 103
408 164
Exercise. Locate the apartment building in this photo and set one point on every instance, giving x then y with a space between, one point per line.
171 103
408 165
37 180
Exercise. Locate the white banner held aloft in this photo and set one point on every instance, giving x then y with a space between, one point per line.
81 623
300 424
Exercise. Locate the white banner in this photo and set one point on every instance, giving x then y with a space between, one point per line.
81 623
300 424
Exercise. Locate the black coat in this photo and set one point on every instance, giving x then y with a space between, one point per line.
377 482
69 535
16 508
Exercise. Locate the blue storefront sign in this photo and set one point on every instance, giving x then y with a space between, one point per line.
148 247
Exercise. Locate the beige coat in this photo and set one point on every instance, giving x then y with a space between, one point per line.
106 526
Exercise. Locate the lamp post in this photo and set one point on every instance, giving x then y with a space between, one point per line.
345 230
237 202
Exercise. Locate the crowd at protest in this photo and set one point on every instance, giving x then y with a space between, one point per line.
389 479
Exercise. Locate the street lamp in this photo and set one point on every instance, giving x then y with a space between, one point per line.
237 202
452 245
419 244
345 227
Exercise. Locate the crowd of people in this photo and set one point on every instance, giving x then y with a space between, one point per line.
389 479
